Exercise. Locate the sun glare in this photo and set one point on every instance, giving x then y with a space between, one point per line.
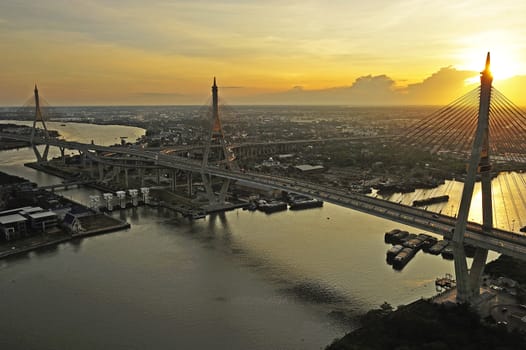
504 59
502 66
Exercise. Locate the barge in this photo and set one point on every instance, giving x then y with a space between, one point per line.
432 200
402 258
438 247
392 252
305 203
395 236
272 206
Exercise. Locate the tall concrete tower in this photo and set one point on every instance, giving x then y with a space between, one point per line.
39 118
468 282
216 152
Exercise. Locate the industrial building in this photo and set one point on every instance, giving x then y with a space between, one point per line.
20 222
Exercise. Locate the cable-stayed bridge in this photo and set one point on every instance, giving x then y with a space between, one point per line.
480 126
498 240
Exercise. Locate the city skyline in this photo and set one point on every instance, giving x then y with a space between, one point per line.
309 52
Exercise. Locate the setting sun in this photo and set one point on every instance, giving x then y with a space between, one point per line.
505 58
502 66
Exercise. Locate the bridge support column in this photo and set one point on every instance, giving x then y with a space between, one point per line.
477 269
39 118
224 156
101 171
91 169
63 155
189 183
158 176
83 158
116 173
41 158
141 176
468 283
174 180
126 184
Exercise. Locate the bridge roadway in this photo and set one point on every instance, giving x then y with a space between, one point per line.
498 240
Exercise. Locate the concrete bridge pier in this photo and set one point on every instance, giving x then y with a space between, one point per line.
468 281
116 173
62 155
41 158
189 183
82 156
91 168
126 184
174 179
141 176
101 171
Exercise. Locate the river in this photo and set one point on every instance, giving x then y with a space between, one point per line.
238 280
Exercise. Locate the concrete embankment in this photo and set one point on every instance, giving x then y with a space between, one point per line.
32 243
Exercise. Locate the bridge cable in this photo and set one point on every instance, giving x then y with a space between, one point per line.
512 197
523 200
503 201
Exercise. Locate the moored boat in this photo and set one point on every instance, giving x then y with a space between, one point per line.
272 206
438 247
392 252
402 258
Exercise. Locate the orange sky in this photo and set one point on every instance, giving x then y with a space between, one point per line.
102 52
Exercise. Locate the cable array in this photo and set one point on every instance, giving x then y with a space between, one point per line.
452 129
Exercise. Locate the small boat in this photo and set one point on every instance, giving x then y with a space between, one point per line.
272 206
438 247
447 253
197 214
396 236
392 252
402 258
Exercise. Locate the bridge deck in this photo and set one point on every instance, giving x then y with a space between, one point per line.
501 241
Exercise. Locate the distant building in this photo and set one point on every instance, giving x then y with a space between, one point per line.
287 156
19 222
309 169
12 226
250 188
42 221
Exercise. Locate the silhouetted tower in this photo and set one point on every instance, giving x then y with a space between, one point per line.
216 152
39 118
468 282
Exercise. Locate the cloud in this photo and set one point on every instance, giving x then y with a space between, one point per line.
441 87
373 90
158 94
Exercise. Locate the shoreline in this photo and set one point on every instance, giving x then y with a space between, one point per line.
95 223
56 241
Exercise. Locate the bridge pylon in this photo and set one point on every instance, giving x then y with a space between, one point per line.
216 152
469 281
39 118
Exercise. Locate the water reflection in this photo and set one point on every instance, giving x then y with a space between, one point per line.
246 280
47 250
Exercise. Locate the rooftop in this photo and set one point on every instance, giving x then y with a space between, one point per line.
43 214
9 219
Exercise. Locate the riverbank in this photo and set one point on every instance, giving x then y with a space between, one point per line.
34 243
425 325
428 325
17 192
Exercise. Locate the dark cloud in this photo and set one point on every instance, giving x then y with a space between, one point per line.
441 87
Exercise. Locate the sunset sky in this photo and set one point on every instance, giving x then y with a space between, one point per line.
107 52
